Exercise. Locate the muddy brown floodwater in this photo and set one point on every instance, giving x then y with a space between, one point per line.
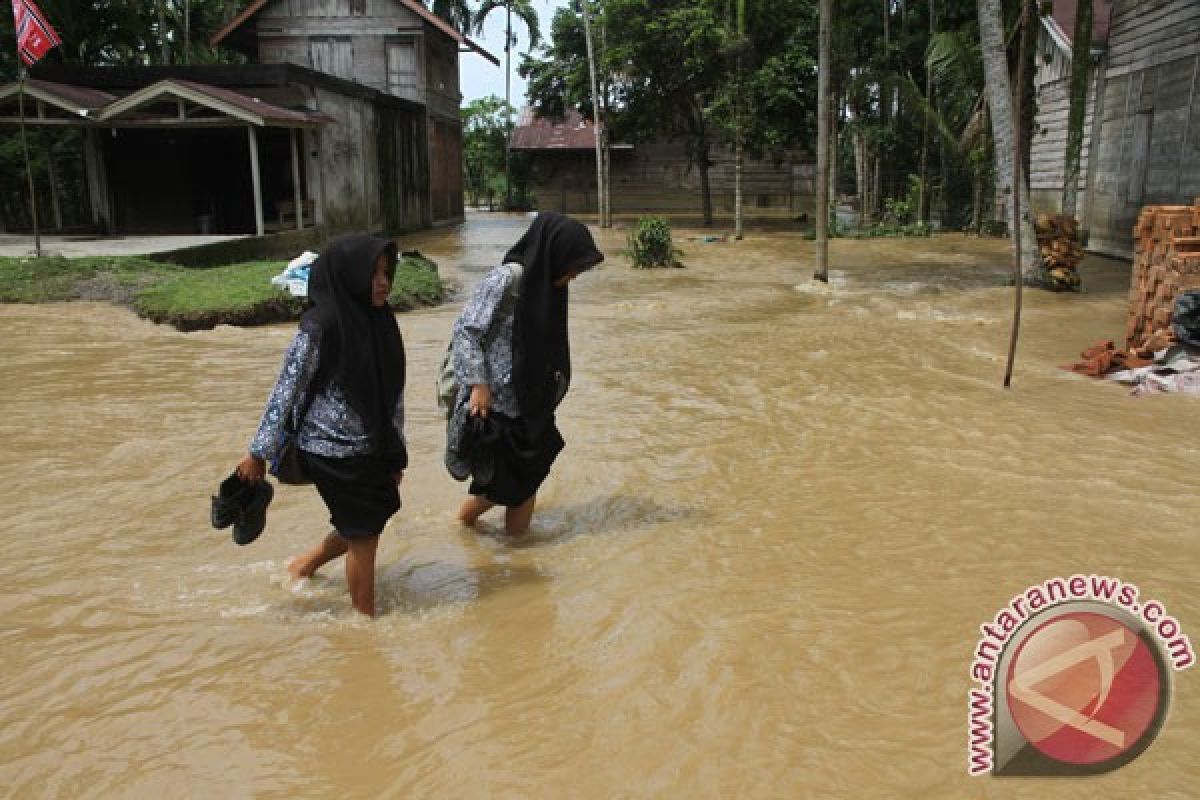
758 570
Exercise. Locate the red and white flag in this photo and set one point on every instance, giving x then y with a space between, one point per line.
35 37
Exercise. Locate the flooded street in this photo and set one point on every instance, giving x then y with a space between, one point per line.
758 569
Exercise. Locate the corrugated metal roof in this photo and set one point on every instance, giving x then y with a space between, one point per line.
72 99
1063 18
572 132
269 112
412 5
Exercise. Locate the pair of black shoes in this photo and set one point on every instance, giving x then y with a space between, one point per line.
470 446
242 505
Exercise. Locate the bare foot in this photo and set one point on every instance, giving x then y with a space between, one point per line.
300 567
472 508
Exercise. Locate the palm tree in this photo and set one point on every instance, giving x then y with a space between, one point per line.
1004 133
457 12
526 13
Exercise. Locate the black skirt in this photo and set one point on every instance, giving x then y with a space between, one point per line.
521 466
359 492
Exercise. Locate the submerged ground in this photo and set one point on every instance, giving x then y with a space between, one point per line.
759 568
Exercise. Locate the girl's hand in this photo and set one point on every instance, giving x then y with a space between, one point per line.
251 468
398 476
481 400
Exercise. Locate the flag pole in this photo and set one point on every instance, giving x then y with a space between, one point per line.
37 236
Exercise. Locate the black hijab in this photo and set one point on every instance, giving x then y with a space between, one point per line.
553 246
360 344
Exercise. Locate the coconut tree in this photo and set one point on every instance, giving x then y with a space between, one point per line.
1004 133
457 12
524 11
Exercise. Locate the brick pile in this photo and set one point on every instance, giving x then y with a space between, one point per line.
1166 261
1058 243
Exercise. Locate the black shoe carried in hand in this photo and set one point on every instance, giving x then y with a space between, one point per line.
227 503
242 505
253 516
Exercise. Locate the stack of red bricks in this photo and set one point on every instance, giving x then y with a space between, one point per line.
1166 261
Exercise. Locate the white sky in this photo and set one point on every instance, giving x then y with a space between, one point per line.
480 77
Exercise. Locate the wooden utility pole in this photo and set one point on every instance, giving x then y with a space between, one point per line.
822 200
22 76
591 56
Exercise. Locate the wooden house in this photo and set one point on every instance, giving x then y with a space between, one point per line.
653 177
1144 129
1148 128
349 119
397 47
1052 85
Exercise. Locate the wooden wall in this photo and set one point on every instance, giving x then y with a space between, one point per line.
1049 145
382 45
657 177
1148 147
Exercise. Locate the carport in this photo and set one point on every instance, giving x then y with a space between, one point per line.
182 157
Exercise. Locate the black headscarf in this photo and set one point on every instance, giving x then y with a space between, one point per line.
553 246
360 344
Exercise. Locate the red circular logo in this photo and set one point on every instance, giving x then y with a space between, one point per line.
1084 688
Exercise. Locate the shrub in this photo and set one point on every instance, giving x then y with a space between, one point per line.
650 244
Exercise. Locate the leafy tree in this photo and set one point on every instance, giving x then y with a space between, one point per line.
669 59
484 139
525 12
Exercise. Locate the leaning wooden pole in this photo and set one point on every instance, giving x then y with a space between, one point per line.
37 234
1018 276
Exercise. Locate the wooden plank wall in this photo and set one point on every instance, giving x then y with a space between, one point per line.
657 177
351 39
1049 146
1149 143
293 30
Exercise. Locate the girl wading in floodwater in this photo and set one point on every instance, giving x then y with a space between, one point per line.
342 386
512 359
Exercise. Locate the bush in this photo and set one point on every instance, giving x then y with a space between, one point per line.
650 244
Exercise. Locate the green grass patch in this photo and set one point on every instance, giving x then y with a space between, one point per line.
189 299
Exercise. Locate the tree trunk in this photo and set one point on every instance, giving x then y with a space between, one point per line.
977 201
164 45
822 204
860 176
1081 46
923 203
705 189
999 91
738 156
508 126
606 155
834 120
